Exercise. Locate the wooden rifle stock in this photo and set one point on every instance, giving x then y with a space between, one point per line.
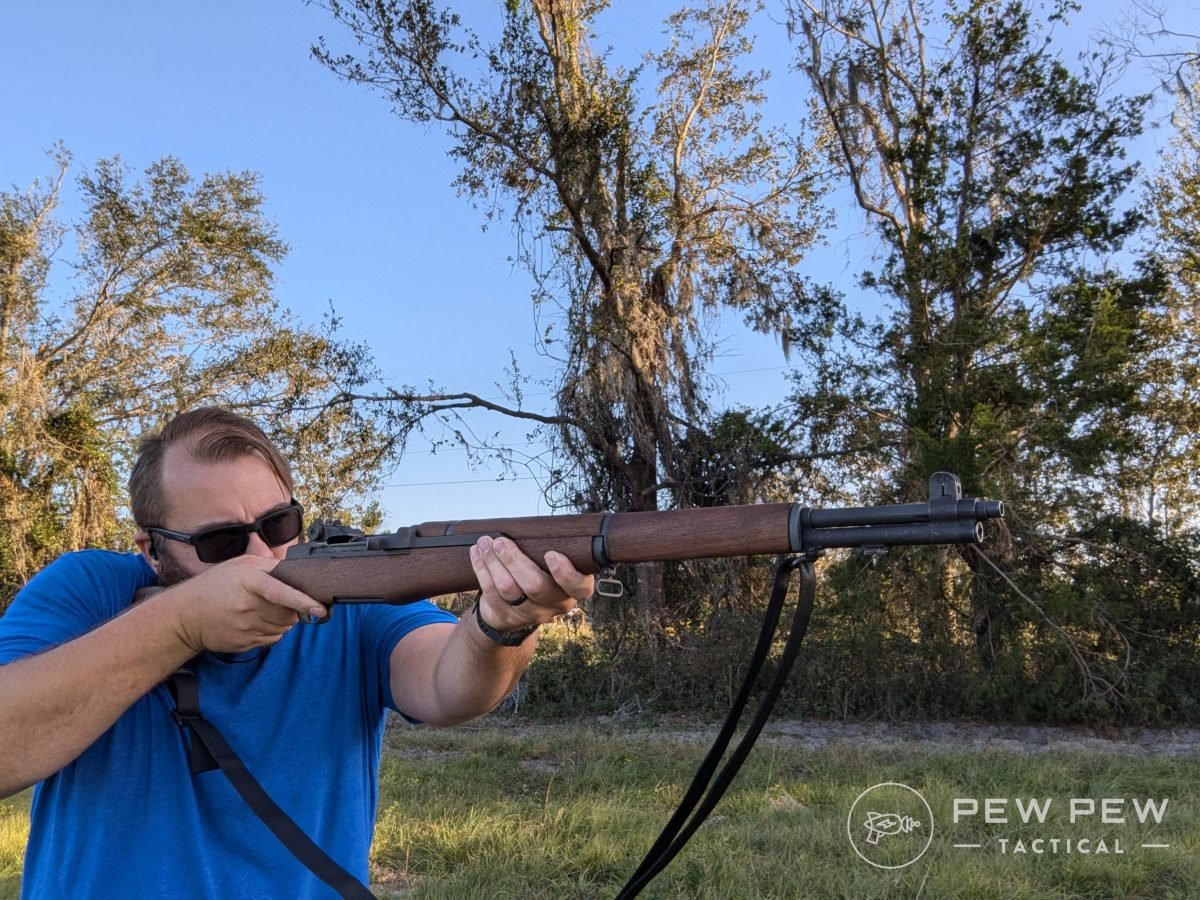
344 565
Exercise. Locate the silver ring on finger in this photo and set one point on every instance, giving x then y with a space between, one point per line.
518 601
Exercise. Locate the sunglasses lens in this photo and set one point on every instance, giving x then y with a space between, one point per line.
221 544
282 527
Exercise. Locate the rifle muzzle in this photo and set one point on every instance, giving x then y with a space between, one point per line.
947 518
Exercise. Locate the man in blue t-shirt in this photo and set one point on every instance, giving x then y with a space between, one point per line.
86 646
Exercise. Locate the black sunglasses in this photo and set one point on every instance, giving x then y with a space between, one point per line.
214 545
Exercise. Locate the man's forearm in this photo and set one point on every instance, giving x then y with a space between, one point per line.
55 704
446 674
468 674
480 672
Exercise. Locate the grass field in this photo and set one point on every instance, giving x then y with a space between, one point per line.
14 828
568 811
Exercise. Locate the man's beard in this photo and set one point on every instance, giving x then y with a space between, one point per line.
170 572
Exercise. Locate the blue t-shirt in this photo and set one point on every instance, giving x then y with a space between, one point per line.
128 819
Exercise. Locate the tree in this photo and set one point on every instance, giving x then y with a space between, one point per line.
1163 481
991 174
1147 31
636 220
169 306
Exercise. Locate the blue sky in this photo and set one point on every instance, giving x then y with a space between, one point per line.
363 198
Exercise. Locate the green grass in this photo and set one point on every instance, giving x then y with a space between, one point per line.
568 811
14 830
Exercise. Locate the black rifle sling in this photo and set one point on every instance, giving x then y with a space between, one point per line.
209 750
704 793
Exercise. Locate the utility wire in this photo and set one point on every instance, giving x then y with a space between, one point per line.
408 484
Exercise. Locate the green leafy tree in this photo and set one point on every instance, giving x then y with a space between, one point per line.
991 174
1162 481
168 306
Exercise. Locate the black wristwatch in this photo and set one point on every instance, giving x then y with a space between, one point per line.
503 638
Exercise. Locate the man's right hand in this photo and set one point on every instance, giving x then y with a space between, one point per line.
237 606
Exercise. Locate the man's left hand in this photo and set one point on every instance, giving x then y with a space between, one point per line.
517 592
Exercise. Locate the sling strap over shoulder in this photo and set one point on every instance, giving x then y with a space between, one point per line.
209 750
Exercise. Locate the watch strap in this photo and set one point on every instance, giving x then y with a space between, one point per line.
503 638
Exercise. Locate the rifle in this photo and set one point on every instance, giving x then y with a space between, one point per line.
344 565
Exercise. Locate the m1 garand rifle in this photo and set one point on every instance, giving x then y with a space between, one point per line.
344 565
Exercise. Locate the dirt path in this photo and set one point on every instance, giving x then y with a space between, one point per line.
935 736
